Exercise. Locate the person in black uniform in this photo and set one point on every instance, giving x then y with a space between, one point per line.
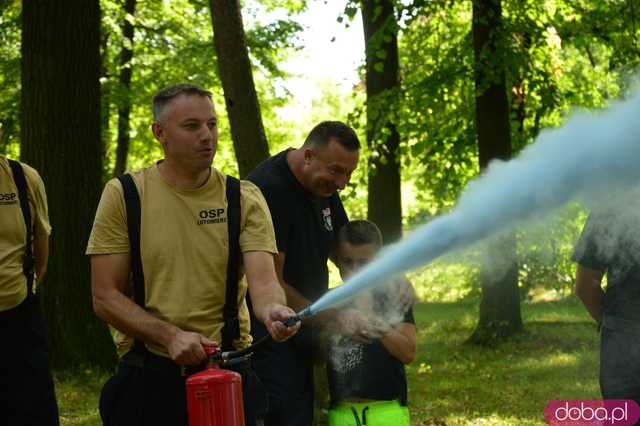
300 187
610 244
367 380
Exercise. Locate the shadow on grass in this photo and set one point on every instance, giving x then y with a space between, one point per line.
78 392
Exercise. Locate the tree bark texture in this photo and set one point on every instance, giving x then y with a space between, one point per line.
124 100
61 138
500 304
241 99
384 205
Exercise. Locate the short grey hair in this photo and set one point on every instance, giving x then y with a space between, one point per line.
162 98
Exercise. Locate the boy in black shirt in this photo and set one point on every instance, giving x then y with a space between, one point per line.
366 376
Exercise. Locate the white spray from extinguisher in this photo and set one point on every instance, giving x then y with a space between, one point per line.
593 154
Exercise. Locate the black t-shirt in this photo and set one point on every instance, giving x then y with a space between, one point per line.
305 225
356 370
610 243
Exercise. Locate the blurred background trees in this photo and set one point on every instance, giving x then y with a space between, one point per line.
415 106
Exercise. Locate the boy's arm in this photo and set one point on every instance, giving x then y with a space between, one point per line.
401 342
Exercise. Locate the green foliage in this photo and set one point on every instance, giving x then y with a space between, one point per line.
173 43
545 252
436 113
270 44
10 17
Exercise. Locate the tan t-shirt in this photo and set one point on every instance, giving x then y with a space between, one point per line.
13 283
184 249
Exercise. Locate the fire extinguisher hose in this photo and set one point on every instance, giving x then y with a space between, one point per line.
230 357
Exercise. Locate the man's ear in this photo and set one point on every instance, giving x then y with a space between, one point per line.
308 156
158 132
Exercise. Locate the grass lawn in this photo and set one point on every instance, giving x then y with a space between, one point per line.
453 383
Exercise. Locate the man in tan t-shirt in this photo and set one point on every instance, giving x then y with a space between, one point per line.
26 387
184 249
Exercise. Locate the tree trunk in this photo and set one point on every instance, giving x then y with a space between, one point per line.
234 66
61 138
124 100
500 303
384 206
105 106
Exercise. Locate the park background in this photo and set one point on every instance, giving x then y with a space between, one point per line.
435 88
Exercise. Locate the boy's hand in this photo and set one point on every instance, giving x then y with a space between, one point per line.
376 328
403 294
360 327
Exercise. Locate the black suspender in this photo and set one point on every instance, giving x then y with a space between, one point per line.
132 203
21 183
231 328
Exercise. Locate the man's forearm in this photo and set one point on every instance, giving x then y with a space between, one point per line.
41 255
125 315
592 301
264 296
589 290
295 300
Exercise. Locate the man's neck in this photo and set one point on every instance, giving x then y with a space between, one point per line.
295 160
181 177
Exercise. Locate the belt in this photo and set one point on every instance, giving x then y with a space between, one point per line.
151 361
18 313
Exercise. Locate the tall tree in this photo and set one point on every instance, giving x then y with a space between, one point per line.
124 100
241 99
384 206
500 302
61 137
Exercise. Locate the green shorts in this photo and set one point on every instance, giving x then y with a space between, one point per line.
374 413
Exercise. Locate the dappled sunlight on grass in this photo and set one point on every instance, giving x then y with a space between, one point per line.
455 383
77 394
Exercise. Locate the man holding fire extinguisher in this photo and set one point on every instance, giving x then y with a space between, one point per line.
186 234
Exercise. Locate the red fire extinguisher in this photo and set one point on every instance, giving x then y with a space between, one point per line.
214 395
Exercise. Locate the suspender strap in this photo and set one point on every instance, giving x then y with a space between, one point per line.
21 183
231 328
132 204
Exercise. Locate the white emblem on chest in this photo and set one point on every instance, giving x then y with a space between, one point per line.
326 219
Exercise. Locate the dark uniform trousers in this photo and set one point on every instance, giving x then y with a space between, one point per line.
620 359
27 396
286 369
155 394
